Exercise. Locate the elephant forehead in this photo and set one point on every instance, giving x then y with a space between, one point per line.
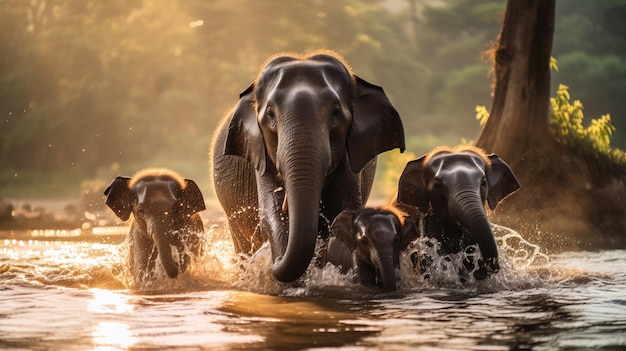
458 165
312 73
458 159
378 225
157 189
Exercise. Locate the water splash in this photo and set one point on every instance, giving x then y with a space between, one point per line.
522 265
69 264
213 267
218 266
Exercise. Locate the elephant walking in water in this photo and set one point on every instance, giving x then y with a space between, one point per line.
370 241
447 189
165 209
299 147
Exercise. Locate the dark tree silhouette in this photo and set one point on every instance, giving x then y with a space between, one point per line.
567 201
519 115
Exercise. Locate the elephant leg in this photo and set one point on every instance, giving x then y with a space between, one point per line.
141 249
339 254
341 192
235 186
366 273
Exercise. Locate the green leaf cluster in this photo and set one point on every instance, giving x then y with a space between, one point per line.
590 43
567 127
566 123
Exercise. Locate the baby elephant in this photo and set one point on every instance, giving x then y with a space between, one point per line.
165 208
448 189
370 241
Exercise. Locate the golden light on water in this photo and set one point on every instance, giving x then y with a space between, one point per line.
113 336
105 301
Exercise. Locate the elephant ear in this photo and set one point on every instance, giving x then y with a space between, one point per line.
119 197
342 228
501 180
244 137
192 199
412 185
408 233
376 125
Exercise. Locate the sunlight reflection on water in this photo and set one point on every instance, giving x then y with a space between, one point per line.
113 336
106 301
75 296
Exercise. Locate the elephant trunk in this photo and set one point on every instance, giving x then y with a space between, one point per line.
163 240
387 271
303 176
468 208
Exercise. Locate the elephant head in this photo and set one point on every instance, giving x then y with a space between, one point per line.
301 120
451 186
163 205
375 236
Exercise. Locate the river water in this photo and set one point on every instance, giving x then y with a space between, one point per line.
75 295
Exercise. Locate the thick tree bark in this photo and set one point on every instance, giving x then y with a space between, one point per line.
567 201
519 114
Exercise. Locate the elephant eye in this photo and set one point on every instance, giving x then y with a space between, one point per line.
141 209
438 184
483 183
361 237
271 117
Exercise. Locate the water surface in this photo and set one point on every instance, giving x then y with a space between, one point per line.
75 295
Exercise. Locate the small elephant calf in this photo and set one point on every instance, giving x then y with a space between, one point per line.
370 240
447 190
165 207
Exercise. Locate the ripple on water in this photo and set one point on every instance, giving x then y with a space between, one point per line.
56 294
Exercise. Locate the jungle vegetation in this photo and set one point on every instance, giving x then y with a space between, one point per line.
573 193
92 89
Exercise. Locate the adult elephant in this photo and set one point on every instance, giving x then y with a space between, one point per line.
450 187
165 208
300 146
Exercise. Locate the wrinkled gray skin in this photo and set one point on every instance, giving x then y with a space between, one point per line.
302 140
450 191
370 241
165 216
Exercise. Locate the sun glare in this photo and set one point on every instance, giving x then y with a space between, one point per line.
105 301
113 336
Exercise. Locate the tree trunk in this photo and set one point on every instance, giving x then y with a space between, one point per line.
519 114
566 201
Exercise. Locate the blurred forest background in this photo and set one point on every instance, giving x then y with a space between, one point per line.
91 89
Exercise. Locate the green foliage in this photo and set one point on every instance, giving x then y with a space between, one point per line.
86 84
590 43
482 114
566 125
461 91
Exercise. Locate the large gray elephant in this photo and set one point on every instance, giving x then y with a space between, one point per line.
450 187
165 209
299 147
370 240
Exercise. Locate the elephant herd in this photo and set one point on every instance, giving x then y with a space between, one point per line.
300 147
